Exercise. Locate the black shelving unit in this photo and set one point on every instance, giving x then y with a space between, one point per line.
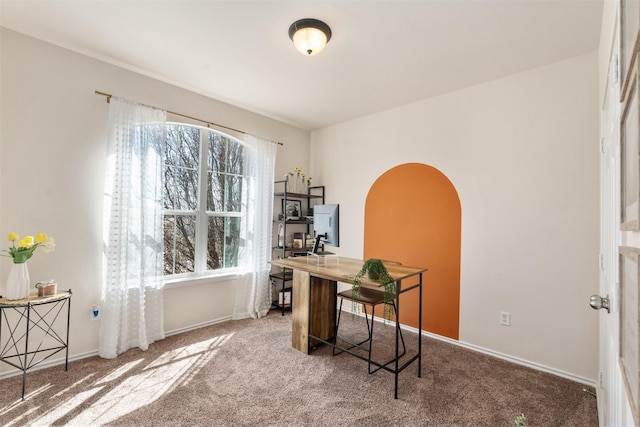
281 278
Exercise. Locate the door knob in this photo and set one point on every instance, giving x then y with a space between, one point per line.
597 302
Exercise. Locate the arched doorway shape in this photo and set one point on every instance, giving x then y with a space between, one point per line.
413 215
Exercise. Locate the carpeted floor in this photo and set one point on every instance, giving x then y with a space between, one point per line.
246 373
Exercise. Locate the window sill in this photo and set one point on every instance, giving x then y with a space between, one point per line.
182 282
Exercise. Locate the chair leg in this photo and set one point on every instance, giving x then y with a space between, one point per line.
370 335
404 348
359 345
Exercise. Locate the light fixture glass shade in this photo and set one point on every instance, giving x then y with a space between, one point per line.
309 41
309 35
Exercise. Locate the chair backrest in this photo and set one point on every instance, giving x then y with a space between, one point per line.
387 262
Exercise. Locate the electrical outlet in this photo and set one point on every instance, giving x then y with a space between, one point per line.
95 312
505 318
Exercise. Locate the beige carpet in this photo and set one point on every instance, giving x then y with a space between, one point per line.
246 373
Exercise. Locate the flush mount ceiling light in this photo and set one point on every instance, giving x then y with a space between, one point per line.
309 35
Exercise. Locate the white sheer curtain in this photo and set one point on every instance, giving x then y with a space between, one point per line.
253 293
132 285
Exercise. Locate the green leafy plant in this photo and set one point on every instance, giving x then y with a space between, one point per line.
519 421
375 270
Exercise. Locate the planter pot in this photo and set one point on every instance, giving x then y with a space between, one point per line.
18 282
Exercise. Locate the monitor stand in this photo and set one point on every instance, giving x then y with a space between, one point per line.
316 244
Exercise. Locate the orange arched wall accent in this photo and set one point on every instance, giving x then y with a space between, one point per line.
413 215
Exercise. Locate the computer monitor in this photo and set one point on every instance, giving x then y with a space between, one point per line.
326 226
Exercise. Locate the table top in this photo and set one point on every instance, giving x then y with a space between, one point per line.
34 299
343 269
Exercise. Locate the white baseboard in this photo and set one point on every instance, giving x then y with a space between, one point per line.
493 353
197 326
60 361
48 364
509 358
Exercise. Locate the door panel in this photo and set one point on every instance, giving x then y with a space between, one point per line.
613 409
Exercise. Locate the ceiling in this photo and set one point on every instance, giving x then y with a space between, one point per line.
382 54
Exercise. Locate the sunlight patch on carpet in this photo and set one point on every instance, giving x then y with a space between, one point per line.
27 396
123 390
112 376
72 386
150 383
51 417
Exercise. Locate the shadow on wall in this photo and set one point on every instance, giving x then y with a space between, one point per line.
413 215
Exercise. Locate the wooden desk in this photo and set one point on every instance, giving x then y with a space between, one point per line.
313 315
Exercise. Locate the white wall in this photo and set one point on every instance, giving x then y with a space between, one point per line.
53 146
521 151
523 155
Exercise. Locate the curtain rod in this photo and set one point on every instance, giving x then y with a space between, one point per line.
108 96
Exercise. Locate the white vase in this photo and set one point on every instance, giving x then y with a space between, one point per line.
18 282
295 184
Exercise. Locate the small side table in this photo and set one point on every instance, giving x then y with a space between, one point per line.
28 321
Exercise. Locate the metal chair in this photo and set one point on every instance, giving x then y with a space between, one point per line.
367 297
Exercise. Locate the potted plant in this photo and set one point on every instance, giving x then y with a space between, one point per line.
375 270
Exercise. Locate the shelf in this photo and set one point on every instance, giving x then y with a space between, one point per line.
298 195
295 221
283 276
278 305
281 281
292 250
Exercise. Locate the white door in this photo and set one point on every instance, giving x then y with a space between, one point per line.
613 409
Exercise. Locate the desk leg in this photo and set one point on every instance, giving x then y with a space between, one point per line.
66 355
314 310
26 350
395 373
300 311
420 330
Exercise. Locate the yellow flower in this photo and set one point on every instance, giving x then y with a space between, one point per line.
26 242
27 246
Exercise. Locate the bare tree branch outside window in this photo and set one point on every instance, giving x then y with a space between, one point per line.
224 180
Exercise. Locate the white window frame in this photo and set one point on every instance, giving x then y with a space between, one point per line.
201 275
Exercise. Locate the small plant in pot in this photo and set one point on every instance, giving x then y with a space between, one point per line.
375 270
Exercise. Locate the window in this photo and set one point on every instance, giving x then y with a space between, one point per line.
204 201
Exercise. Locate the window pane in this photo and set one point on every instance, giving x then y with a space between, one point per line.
181 168
233 193
181 188
179 244
224 174
225 186
183 146
215 192
223 242
234 157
